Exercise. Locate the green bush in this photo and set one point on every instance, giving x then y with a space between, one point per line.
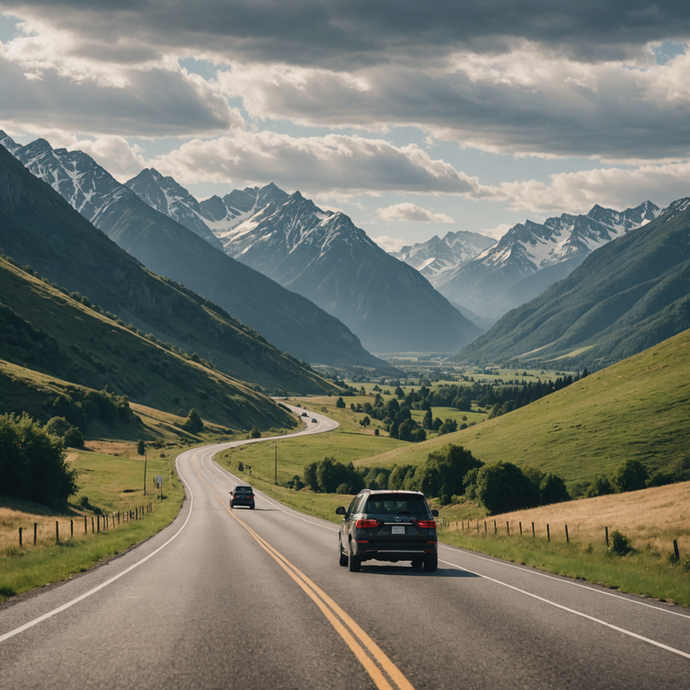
632 475
32 462
619 543
503 487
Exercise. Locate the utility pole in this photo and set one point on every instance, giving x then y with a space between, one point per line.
275 481
146 459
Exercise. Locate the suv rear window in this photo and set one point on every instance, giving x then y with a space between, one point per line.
243 489
392 504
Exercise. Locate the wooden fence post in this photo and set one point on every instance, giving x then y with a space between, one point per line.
548 533
92 525
71 528
508 527
520 529
57 531
675 548
495 528
86 525
533 535
607 535
20 537
567 539
35 530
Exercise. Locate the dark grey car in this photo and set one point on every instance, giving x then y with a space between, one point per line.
388 526
242 496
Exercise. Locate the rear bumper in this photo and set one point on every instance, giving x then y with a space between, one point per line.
394 551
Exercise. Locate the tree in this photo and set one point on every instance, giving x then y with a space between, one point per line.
503 487
340 403
399 393
632 475
448 427
254 433
552 490
365 422
600 487
32 462
193 422
141 447
428 420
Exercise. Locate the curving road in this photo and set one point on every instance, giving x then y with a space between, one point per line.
237 598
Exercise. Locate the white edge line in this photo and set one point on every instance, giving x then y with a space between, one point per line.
564 579
59 609
629 633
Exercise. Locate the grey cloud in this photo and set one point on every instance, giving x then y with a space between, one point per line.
344 34
157 103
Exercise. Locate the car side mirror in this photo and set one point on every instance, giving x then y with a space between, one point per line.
434 513
340 510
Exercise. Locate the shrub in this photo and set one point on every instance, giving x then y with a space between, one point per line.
32 462
600 487
254 433
552 490
194 424
619 543
632 475
503 487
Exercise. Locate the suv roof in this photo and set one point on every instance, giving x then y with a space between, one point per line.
391 491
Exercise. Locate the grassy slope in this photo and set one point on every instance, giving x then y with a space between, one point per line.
636 408
93 351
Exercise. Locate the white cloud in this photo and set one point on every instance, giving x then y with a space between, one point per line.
120 159
342 164
411 213
390 244
617 188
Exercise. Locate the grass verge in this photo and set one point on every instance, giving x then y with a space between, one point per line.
110 484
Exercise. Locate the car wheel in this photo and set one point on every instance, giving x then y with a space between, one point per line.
342 558
232 505
417 562
431 563
353 562
252 506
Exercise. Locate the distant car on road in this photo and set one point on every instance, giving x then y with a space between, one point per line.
313 421
242 496
388 526
304 414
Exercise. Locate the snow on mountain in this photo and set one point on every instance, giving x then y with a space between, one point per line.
531 256
324 256
167 196
437 256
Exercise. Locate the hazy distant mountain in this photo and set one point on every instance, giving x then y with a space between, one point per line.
325 257
437 256
286 319
532 256
628 295
38 228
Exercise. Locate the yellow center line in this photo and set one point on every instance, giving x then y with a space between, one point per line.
328 607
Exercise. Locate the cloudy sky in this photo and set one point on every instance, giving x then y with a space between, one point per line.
414 118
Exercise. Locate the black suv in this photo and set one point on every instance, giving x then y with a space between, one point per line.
242 496
388 526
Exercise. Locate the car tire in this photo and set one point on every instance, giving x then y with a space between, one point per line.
252 506
232 505
431 563
353 562
417 562
342 558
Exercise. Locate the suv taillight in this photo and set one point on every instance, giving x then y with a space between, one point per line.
426 524
366 524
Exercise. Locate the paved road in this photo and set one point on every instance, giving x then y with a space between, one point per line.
239 598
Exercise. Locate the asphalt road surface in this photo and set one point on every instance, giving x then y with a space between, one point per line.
256 599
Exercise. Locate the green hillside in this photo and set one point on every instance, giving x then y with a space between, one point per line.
44 330
637 408
627 296
39 228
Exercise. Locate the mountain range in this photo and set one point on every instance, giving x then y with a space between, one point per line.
531 256
626 296
39 228
323 256
289 321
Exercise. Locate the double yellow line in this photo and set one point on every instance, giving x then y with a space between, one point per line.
385 674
